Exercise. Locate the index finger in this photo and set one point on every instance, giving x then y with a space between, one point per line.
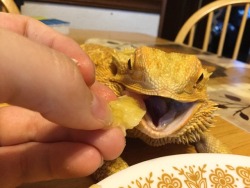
38 32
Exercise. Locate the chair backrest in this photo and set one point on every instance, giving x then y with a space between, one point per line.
208 11
9 6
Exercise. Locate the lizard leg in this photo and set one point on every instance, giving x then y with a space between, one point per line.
209 144
109 168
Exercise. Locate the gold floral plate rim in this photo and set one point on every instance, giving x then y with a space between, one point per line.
185 170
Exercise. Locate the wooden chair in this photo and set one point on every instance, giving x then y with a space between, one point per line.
208 11
9 6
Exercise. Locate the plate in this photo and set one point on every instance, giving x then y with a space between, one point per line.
187 170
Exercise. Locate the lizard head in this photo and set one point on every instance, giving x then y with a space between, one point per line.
173 88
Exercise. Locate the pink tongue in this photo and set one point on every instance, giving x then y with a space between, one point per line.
167 118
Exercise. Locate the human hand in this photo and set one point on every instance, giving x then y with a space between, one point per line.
38 75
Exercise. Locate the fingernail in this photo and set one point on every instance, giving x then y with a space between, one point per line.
101 110
75 61
101 163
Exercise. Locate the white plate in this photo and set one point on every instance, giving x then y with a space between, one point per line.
187 170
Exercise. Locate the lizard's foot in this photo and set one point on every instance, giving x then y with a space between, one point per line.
209 144
109 168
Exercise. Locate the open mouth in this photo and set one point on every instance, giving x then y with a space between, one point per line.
164 116
171 121
162 112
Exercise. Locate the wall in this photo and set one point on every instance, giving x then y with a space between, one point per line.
96 18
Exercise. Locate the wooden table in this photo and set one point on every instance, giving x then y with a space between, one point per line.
236 138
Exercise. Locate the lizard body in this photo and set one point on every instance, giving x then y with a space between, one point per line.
173 87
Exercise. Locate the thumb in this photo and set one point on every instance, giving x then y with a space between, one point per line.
42 79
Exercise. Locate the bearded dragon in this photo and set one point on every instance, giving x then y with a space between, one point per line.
173 88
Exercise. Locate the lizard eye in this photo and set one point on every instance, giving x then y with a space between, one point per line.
200 79
129 64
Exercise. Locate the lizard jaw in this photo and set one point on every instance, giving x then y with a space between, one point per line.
185 128
195 118
171 121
